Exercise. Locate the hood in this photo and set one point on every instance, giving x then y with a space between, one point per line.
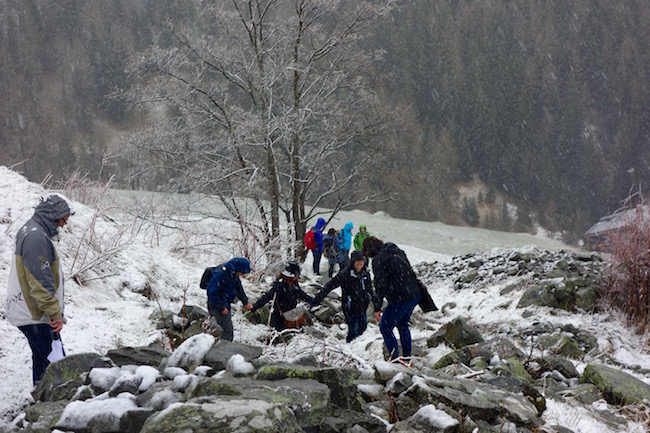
390 247
348 226
362 226
50 209
320 224
53 207
238 264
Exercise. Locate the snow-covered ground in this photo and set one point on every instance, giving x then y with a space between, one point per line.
109 310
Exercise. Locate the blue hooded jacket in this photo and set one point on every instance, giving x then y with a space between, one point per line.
346 234
224 285
318 234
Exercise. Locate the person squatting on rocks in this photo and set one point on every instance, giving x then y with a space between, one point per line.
224 286
332 244
356 294
314 241
285 293
346 235
395 282
36 285
360 236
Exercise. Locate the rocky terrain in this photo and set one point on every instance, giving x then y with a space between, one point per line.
470 373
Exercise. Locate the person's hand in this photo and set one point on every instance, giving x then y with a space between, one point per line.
248 306
56 324
224 311
378 316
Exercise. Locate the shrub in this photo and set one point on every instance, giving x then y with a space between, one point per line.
628 277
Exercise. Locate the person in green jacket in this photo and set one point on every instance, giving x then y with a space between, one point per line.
360 236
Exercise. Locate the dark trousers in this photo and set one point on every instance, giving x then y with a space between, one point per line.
277 322
346 258
223 320
398 315
357 324
330 271
317 255
40 341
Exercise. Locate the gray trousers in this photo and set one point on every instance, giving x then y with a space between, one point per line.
223 320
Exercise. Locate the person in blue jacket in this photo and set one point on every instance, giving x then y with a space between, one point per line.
224 286
318 239
346 235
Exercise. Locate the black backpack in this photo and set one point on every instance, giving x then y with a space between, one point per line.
207 274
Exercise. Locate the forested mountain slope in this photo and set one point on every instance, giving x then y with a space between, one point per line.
543 105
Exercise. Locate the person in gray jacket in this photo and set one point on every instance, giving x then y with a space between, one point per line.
35 286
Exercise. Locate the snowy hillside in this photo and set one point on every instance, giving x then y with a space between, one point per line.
124 279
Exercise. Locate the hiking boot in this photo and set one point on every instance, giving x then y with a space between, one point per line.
405 361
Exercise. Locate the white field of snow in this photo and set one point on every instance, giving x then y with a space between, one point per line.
108 311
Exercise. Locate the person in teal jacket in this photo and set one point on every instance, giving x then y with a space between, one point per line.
346 235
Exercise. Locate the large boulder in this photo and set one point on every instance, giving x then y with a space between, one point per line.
549 363
549 294
144 355
103 416
457 334
63 377
192 352
193 313
218 356
351 421
478 400
43 416
233 416
341 382
310 401
617 387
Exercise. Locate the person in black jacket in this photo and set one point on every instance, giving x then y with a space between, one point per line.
395 281
357 292
285 292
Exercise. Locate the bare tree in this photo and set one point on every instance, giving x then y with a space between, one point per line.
261 99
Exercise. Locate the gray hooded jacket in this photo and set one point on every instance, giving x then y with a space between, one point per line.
35 286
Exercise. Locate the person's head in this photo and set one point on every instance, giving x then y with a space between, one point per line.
320 224
291 272
53 209
362 228
370 246
331 232
358 260
240 266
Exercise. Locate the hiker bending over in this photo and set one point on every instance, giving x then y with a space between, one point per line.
395 281
285 292
224 286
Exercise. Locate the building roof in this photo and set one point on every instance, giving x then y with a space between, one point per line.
615 221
